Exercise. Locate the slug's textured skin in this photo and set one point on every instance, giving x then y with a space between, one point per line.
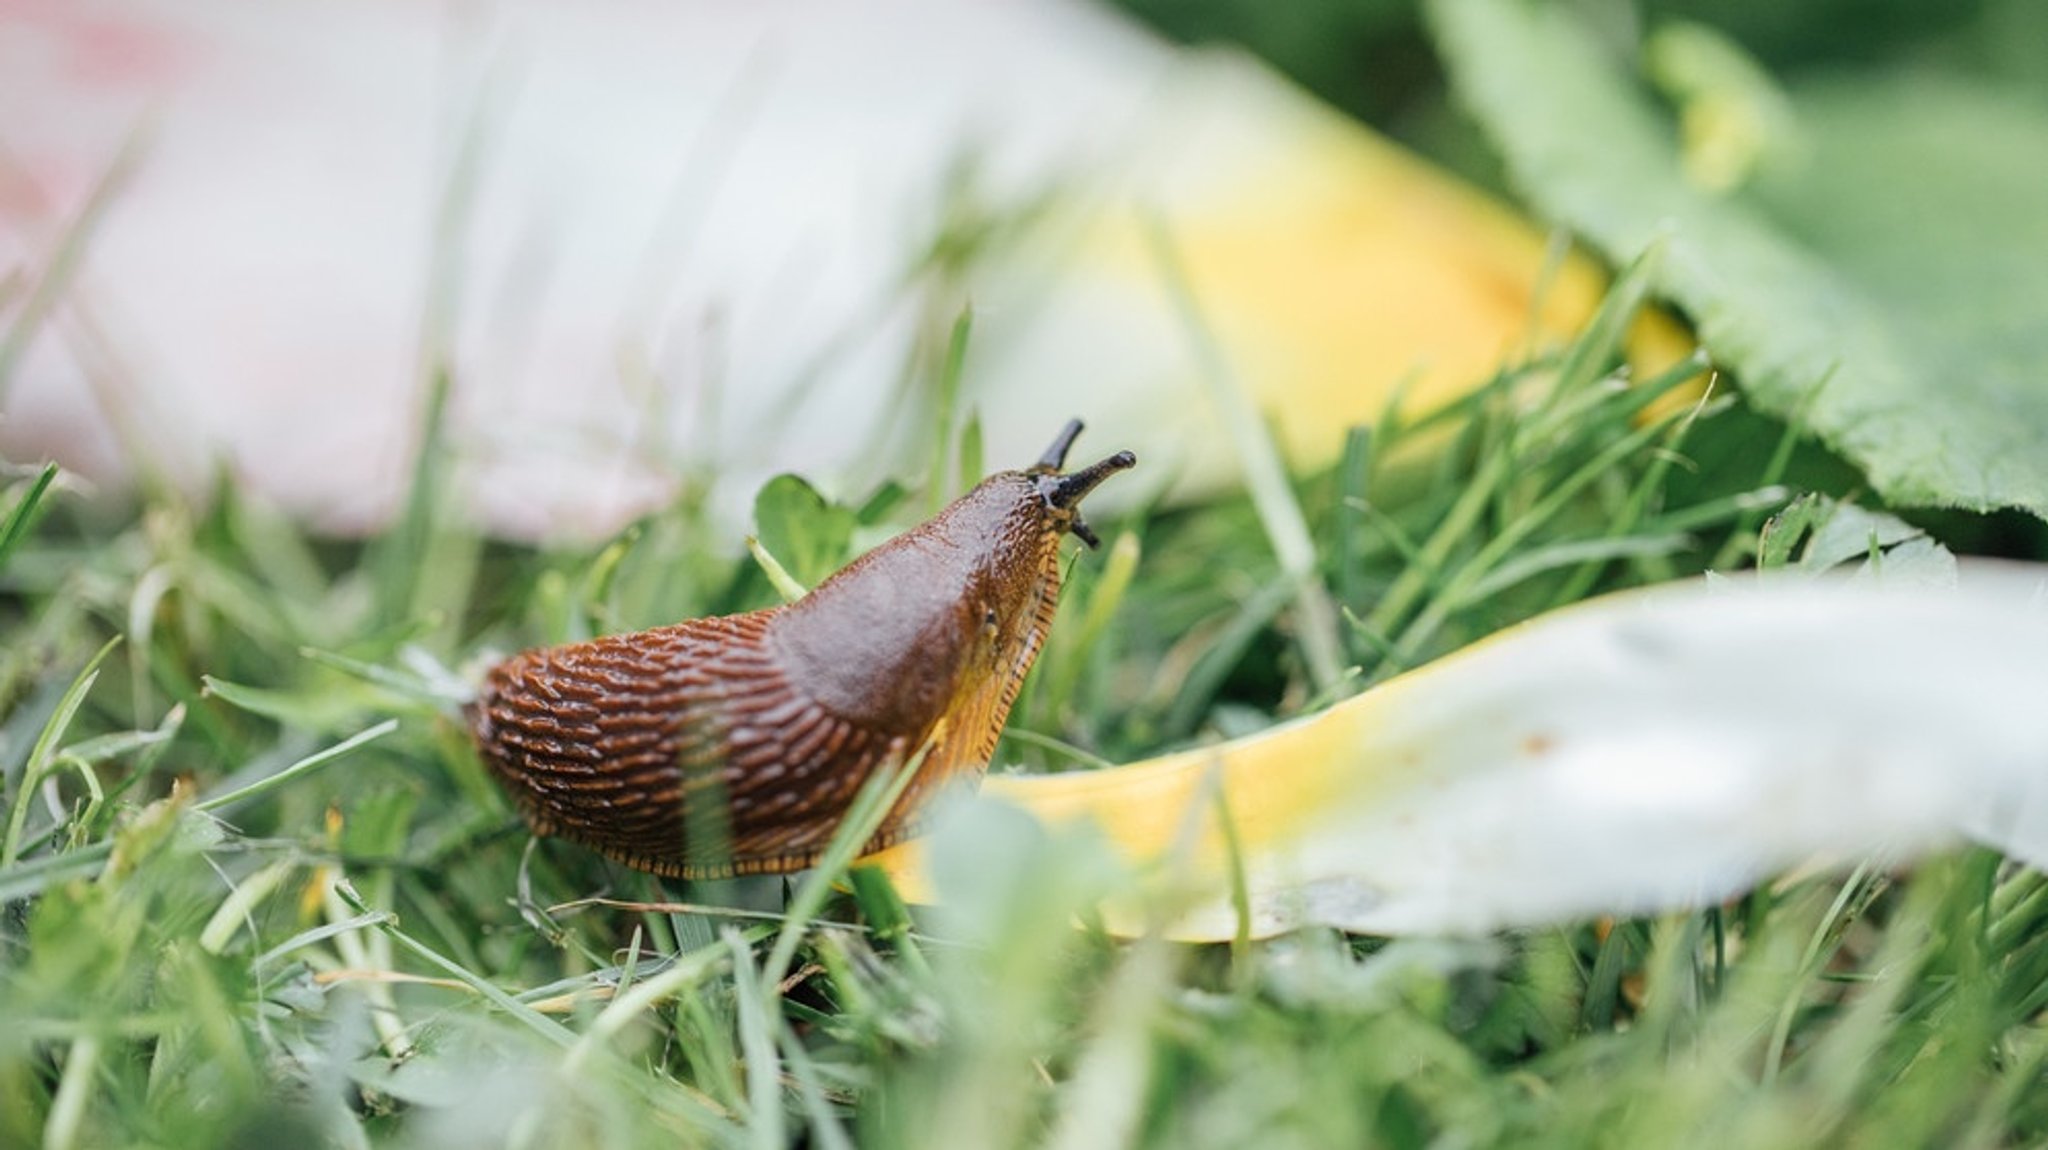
735 745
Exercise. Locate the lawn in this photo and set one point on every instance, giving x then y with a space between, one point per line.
257 888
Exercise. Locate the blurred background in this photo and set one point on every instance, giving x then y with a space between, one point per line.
616 249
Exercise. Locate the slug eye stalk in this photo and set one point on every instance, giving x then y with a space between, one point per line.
1069 489
1065 492
1055 456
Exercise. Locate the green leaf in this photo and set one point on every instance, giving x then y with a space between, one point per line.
1848 533
882 503
805 532
1894 269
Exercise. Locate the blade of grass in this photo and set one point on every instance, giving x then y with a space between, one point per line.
1853 894
1240 887
23 515
1354 475
1058 746
752 995
1457 586
779 577
261 965
1062 667
1744 539
1600 343
67 1108
824 1129
1197 692
401 553
411 688
686 972
973 452
877 797
44 752
946 411
1582 553
549 1030
34 876
1646 488
72 243
1265 476
297 770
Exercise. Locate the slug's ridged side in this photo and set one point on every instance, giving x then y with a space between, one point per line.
590 739
792 768
684 750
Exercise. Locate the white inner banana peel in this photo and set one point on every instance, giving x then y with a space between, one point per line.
1645 751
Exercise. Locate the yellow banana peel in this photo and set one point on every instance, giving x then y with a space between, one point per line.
1353 266
1635 753
1337 273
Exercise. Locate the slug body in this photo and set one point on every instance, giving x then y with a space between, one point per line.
735 745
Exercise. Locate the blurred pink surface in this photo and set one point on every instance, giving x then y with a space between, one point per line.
675 215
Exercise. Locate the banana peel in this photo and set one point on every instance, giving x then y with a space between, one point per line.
1635 753
1340 277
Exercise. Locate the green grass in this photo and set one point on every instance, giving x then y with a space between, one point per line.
256 890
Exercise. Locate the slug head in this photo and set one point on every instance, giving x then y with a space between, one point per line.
954 610
1062 493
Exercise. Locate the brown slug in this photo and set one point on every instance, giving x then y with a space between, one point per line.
735 745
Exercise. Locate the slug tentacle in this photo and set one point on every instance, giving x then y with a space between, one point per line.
1067 490
1055 456
736 745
